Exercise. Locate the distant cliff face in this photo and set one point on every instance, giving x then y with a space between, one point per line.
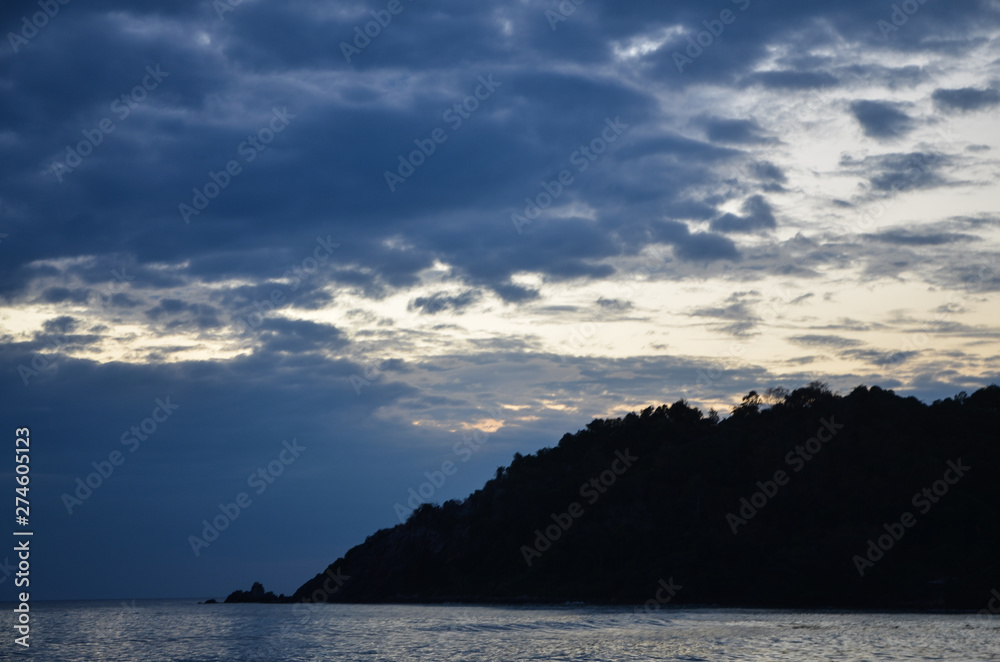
797 499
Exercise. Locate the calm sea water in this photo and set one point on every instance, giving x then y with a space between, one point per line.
172 630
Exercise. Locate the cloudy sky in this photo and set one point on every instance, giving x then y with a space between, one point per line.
308 251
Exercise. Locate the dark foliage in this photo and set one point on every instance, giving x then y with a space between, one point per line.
673 512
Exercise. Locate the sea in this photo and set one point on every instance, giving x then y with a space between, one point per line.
185 631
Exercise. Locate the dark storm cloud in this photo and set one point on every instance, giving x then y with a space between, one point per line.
175 312
122 301
909 238
882 120
62 324
512 293
440 302
65 294
765 170
738 310
707 247
879 357
757 215
734 131
693 246
300 182
905 77
793 80
56 336
812 340
297 336
966 98
901 172
614 305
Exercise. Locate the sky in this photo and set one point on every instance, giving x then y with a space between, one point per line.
266 267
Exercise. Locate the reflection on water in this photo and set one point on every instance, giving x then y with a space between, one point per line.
172 630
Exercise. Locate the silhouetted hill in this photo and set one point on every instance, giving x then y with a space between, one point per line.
797 499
